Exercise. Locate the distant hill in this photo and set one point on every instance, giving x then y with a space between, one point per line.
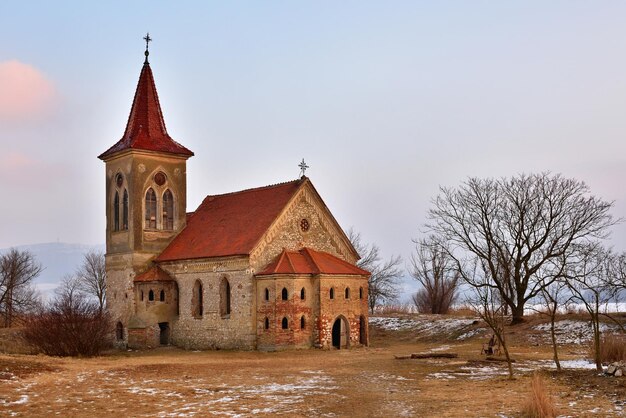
58 259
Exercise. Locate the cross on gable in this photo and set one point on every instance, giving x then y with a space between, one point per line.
303 168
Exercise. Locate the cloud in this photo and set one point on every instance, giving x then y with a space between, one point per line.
25 92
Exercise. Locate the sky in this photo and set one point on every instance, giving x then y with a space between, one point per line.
385 101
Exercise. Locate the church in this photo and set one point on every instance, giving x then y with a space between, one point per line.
266 268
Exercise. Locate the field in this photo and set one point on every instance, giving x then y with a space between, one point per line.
359 382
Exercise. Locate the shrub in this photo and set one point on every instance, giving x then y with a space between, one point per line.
539 403
71 325
612 348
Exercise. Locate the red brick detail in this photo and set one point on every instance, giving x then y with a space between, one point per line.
230 224
145 129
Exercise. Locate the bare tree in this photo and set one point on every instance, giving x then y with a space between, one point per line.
519 229
618 281
383 282
589 280
18 269
553 298
92 276
436 271
485 301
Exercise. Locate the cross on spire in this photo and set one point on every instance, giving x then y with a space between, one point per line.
148 39
303 168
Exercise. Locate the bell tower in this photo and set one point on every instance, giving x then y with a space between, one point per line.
146 195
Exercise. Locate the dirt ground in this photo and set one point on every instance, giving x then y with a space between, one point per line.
359 382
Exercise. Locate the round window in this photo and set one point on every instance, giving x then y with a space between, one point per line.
160 178
119 180
304 225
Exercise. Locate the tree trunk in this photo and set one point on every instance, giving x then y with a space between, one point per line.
509 361
554 346
596 341
518 313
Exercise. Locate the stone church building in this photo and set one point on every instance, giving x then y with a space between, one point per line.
264 268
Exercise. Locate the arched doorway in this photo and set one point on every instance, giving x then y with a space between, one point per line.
341 333
362 330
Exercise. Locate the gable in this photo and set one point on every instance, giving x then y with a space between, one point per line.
286 232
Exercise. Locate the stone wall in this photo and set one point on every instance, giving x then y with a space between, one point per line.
212 329
156 310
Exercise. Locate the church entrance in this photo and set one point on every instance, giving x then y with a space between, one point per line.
340 333
164 337
362 330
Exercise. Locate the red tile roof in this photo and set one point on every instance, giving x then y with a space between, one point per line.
230 224
145 129
155 274
309 261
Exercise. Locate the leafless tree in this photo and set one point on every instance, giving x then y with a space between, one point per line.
436 271
554 297
486 303
71 325
18 269
385 275
92 276
589 280
518 228
618 281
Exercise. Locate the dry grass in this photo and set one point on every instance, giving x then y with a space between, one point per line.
612 348
462 311
396 309
363 382
540 403
11 342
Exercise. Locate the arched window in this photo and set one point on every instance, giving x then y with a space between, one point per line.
267 293
302 322
267 323
302 293
116 212
347 293
332 293
360 293
151 295
162 296
151 211
285 323
284 295
168 210
119 331
224 297
125 211
196 300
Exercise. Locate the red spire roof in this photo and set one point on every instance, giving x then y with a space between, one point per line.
230 224
145 129
309 261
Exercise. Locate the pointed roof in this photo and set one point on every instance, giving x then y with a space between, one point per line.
230 224
145 129
155 274
309 261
